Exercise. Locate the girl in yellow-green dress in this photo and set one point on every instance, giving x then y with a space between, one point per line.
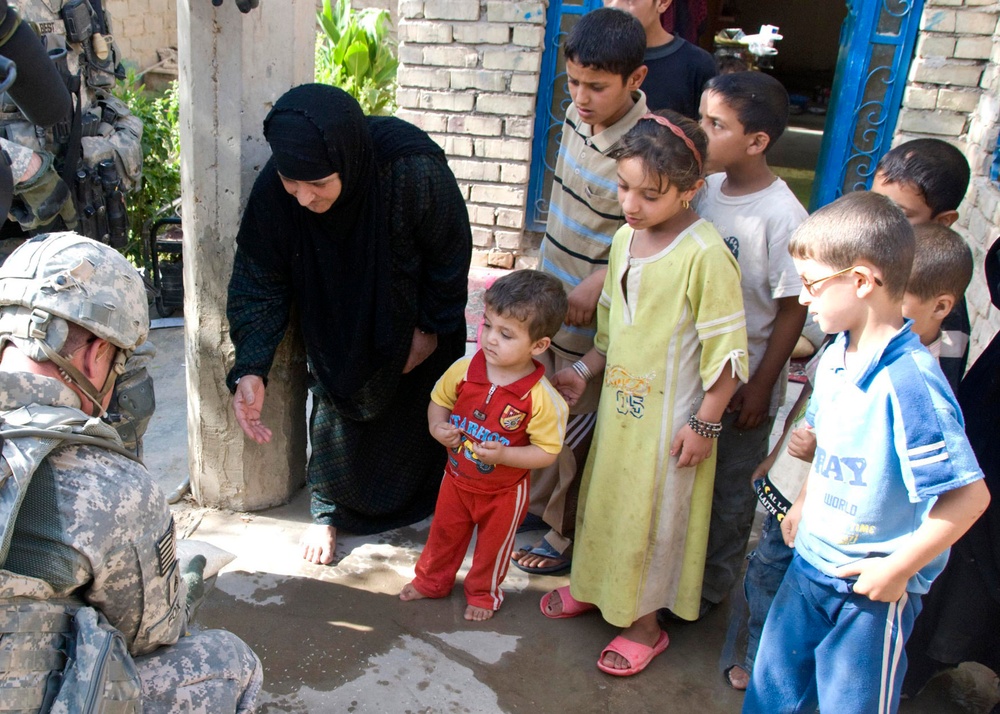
670 351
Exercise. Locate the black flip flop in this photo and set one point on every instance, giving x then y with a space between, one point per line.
545 550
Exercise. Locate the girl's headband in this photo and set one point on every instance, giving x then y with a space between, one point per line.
663 121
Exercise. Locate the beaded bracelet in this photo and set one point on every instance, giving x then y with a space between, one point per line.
705 429
581 368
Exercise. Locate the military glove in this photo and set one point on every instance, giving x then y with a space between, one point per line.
39 200
194 575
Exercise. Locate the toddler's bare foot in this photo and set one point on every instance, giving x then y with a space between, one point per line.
410 593
319 544
477 613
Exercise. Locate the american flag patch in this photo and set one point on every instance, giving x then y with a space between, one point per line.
165 550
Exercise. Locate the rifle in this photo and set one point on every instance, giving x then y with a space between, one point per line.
90 205
114 201
84 210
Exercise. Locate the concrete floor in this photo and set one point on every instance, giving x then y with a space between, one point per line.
337 638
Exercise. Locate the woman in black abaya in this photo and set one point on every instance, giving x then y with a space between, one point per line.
359 222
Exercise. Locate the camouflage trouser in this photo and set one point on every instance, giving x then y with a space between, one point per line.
210 671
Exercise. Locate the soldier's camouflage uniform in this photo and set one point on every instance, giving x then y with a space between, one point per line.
94 529
45 197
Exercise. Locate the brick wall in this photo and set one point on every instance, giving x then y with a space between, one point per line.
954 94
142 26
468 76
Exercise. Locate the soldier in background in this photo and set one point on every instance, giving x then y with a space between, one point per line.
79 170
92 597
74 173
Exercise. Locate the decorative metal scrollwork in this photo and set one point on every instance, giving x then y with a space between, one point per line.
876 49
550 107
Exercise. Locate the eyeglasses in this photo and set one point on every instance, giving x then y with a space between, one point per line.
810 284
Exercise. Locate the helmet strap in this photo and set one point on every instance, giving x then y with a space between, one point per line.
72 374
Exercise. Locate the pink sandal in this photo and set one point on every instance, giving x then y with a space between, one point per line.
570 607
636 654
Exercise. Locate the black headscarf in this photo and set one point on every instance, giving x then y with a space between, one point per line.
338 262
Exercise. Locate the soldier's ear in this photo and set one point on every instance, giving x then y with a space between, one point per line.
95 359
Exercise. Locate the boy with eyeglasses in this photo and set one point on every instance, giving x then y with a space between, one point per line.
893 484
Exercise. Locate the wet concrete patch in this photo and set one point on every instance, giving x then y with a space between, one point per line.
337 638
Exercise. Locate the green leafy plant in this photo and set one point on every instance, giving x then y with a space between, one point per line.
160 185
355 51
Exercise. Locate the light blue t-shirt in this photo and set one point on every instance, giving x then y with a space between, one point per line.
889 440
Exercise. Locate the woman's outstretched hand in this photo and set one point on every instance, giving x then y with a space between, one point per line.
248 401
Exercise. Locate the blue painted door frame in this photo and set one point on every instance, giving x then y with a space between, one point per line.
876 48
550 107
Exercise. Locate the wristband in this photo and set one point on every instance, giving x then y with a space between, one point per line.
705 429
581 368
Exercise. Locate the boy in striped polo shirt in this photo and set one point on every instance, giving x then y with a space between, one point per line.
604 68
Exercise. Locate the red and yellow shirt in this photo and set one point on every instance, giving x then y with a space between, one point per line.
526 412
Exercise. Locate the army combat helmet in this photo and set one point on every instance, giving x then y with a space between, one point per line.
61 278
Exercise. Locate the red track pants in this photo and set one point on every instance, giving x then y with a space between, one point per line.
497 516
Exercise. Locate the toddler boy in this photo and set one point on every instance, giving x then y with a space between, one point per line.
743 114
499 417
892 486
604 69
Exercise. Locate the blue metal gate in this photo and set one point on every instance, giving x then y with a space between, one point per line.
876 46
550 109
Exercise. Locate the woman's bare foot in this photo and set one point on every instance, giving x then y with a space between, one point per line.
476 613
319 544
645 631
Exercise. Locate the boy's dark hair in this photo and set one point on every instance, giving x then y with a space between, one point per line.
607 40
530 296
759 100
935 168
942 263
859 226
664 154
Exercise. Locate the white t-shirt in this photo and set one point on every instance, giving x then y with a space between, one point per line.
756 227
935 348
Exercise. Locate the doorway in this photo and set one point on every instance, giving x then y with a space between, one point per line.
805 64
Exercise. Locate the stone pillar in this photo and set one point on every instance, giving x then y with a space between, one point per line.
232 69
